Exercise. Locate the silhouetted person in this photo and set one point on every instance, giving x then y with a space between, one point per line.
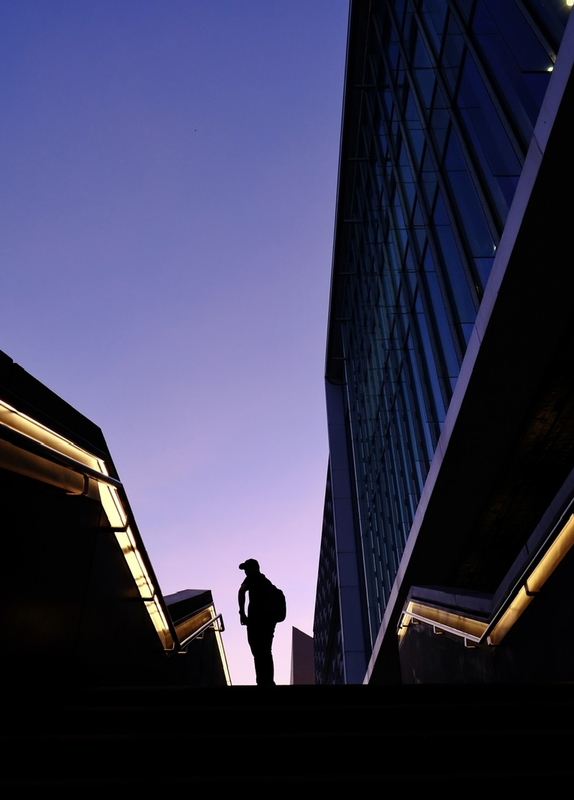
260 619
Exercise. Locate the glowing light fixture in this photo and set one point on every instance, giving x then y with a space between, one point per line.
532 583
191 627
119 523
218 638
21 423
519 598
443 621
35 445
30 448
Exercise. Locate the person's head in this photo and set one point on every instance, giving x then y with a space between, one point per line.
251 566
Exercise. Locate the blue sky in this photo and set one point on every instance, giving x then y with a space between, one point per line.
168 172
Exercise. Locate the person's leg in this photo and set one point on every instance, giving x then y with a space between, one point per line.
261 640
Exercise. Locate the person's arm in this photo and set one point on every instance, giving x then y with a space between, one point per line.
241 598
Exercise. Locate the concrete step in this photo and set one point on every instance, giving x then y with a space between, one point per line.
181 736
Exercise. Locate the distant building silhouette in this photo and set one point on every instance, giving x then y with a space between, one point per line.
302 658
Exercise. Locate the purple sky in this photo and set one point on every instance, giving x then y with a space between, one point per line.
168 173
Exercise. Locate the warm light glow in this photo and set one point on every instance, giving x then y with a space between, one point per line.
535 581
109 497
118 519
135 564
140 573
21 423
113 507
510 616
494 633
219 640
405 620
189 626
447 621
553 556
159 622
570 3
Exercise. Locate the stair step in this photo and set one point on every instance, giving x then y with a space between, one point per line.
181 736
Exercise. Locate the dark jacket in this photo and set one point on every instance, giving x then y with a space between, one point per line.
259 610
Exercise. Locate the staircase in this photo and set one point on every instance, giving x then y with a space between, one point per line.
296 735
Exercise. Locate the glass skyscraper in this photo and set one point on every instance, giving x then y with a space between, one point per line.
440 106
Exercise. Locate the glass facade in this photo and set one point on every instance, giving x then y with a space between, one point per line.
327 634
441 100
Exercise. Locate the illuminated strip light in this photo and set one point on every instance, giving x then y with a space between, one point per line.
205 619
531 585
193 626
159 622
28 429
219 640
472 630
22 423
118 520
524 591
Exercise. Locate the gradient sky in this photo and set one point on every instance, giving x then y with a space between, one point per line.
168 173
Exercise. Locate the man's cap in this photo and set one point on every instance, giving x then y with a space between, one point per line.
251 562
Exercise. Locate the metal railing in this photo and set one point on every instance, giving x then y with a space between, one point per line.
37 448
490 632
184 643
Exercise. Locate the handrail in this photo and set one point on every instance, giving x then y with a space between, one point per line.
540 565
536 562
37 448
109 489
441 626
122 524
209 624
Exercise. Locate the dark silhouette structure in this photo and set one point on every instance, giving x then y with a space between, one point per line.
447 534
260 619
79 593
302 658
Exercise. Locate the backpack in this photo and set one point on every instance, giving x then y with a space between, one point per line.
278 604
